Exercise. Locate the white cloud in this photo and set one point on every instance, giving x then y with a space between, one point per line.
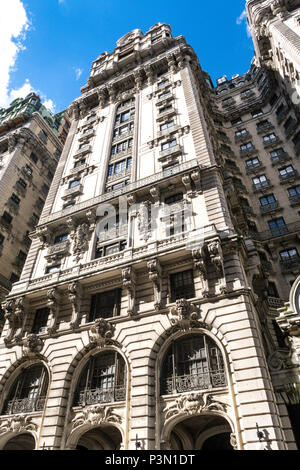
49 105
242 19
13 25
78 72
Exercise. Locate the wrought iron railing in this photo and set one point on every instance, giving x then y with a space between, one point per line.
188 383
24 405
100 395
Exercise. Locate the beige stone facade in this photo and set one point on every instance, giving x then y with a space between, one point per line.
132 324
29 153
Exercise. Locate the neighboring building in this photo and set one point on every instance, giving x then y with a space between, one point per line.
29 153
64 126
143 325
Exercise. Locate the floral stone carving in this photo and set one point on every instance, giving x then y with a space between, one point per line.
95 415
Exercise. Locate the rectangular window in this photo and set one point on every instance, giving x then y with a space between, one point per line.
1 239
61 238
14 278
236 122
74 183
252 162
257 113
247 146
7 217
79 163
270 138
40 321
105 305
163 83
286 171
15 199
295 191
168 145
175 198
241 133
33 157
266 200
182 285
278 226
22 183
289 254
166 125
53 269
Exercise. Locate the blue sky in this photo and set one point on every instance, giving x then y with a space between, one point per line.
55 41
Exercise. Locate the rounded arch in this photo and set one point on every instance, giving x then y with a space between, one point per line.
78 435
16 370
18 441
222 423
76 367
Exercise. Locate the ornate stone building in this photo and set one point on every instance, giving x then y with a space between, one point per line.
29 153
146 310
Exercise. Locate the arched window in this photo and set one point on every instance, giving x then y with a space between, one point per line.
102 380
28 392
192 363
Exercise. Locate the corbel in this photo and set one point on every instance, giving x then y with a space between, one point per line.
200 263
215 254
75 295
129 283
52 304
155 276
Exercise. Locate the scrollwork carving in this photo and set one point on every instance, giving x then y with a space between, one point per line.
95 415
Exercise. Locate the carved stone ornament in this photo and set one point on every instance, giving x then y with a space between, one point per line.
156 277
32 344
193 404
81 238
233 441
101 332
18 424
74 291
185 316
283 359
52 304
95 415
129 282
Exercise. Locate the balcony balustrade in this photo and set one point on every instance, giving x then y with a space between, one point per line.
165 97
290 264
294 200
271 142
25 405
254 167
242 137
101 395
172 151
124 136
269 207
261 185
280 158
277 232
291 175
82 151
58 248
188 383
166 113
72 192
260 129
248 151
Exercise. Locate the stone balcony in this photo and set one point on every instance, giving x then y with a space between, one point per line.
82 151
121 137
166 114
165 98
59 249
73 192
168 131
120 155
254 168
86 135
170 152
78 169
157 178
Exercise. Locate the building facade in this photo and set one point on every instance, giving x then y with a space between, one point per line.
29 153
146 310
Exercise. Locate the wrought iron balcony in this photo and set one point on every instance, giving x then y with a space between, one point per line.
291 175
101 395
290 264
280 158
260 129
271 142
24 405
254 167
281 115
262 185
188 383
275 302
277 232
241 137
248 151
294 200
269 207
